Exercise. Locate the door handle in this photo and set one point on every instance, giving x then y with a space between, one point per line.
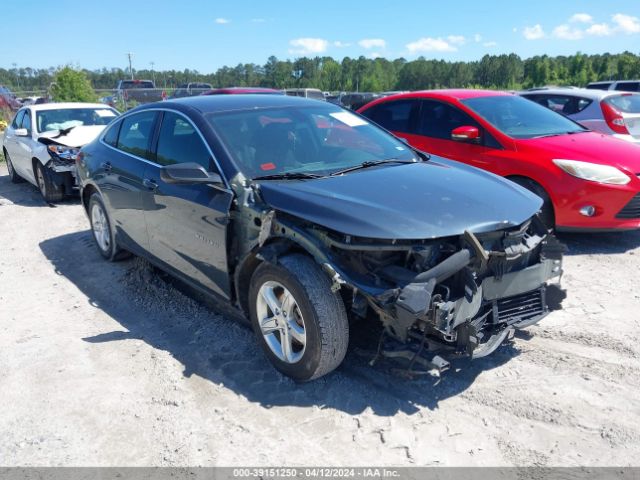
106 166
150 184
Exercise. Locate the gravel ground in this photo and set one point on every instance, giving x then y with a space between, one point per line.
111 364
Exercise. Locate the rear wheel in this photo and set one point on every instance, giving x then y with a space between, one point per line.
547 214
299 321
13 176
51 191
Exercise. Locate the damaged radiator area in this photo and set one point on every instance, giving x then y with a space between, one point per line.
463 295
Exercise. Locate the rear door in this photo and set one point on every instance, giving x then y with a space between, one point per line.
187 224
120 174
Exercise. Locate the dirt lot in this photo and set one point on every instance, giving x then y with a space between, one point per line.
110 364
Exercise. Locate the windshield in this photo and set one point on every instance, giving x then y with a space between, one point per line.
48 120
625 103
520 118
317 140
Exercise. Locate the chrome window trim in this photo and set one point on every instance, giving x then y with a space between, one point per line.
206 144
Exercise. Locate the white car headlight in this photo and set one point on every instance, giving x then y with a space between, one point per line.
65 153
593 172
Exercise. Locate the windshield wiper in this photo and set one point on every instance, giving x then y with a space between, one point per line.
572 132
370 163
288 176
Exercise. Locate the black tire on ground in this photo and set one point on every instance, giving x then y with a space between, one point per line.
51 191
13 176
324 317
101 224
547 214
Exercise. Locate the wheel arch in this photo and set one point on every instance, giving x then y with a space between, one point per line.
523 178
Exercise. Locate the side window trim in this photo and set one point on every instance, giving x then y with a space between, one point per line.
15 124
27 115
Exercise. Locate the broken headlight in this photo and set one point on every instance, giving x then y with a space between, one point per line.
63 155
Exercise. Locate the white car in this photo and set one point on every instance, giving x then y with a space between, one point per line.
42 142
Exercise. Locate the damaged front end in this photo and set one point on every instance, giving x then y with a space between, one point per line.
459 295
62 163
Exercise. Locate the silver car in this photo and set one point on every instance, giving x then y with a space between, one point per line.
606 111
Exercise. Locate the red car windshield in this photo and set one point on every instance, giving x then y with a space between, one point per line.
521 118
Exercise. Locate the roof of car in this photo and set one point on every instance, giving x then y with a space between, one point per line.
217 103
65 105
458 93
578 92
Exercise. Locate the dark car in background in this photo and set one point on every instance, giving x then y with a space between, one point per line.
304 215
190 89
243 91
140 91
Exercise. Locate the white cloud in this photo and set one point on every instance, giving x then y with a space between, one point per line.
222 21
599 30
372 43
533 33
258 20
304 46
456 39
581 18
626 23
490 44
477 38
429 44
565 32
340 44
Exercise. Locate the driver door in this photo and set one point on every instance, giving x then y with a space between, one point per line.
187 224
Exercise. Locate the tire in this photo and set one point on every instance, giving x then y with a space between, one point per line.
103 234
13 176
51 191
313 322
547 214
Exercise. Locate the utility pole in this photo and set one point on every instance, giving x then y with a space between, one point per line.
130 68
153 73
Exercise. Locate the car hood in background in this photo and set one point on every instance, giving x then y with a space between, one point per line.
77 137
431 199
587 147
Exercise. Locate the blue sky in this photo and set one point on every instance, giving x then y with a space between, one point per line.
205 35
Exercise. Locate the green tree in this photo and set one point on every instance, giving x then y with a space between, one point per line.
71 85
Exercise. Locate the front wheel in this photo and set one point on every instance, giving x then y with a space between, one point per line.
51 191
299 321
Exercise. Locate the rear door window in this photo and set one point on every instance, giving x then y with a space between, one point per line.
179 142
395 116
135 134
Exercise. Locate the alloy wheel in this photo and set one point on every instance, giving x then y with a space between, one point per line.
100 227
281 322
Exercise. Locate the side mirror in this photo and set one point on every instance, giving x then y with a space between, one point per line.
188 173
21 132
466 134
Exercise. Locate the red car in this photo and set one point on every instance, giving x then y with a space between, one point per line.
588 181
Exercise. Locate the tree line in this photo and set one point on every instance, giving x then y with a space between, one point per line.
364 74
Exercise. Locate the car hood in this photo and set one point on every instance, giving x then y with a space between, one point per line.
587 147
77 137
433 199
